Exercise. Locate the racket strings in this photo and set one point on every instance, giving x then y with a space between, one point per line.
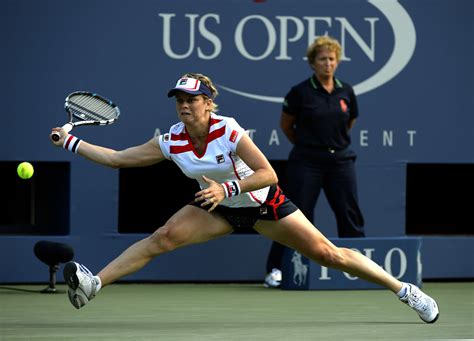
91 108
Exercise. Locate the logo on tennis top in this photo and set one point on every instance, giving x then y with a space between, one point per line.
233 136
220 158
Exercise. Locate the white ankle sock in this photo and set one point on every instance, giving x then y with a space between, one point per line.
98 282
403 291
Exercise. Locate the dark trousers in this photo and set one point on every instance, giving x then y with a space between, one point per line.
305 179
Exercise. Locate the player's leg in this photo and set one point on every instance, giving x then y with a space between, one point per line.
297 232
190 225
303 186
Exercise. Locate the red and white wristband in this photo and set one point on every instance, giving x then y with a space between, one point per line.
231 188
71 143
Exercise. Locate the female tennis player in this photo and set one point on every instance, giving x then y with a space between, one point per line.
238 189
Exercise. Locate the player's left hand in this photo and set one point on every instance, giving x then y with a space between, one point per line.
212 195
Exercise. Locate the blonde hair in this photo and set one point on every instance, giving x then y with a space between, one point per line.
323 42
208 82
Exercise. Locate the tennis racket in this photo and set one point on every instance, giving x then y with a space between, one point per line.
85 108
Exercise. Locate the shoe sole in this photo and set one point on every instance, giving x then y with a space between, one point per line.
432 321
70 276
436 318
73 299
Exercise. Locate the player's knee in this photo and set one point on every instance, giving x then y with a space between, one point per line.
330 256
164 239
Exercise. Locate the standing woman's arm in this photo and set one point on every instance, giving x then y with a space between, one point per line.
287 124
354 109
351 123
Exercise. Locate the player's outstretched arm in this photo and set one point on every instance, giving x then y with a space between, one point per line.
143 155
146 154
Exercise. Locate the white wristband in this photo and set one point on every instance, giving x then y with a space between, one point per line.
71 143
231 188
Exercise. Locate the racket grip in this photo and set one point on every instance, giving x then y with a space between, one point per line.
56 136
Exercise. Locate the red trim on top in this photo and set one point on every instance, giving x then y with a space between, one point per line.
179 137
238 177
184 136
181 149
214 121
215 134
211 137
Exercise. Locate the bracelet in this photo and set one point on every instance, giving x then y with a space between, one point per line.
71 143
231 188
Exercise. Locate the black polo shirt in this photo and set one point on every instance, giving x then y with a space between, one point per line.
321 117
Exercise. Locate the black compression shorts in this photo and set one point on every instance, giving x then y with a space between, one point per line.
275 207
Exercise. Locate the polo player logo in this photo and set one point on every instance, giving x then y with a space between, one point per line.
299 269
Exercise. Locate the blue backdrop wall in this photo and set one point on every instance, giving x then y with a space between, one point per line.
410 63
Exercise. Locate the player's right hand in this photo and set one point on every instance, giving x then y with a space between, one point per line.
212 195
62 135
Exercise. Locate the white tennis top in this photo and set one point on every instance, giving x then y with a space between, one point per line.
219 161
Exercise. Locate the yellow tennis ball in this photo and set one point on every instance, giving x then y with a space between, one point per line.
25 170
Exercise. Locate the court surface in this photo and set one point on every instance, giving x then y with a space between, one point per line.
231 312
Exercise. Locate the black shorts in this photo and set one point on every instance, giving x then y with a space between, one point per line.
275 207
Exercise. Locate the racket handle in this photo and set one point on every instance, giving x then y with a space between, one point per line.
56 136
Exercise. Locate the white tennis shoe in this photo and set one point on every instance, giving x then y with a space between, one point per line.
273 279
81 282
424 305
